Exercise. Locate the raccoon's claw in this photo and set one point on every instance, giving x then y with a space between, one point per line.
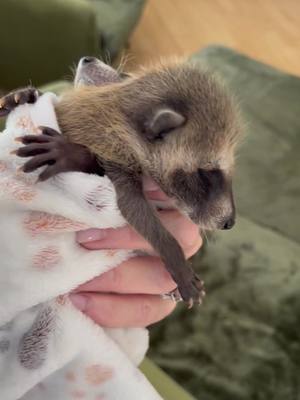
192 292
13 99
17 98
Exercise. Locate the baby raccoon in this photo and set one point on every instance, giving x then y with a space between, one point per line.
174 123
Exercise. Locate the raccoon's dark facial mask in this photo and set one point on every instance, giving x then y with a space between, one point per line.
205 196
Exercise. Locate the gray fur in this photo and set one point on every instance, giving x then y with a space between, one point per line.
4 345
33 347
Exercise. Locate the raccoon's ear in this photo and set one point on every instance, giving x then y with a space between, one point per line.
163 122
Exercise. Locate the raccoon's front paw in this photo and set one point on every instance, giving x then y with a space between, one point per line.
192 292
13 99
53 150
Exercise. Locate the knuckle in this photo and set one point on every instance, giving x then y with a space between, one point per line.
155 310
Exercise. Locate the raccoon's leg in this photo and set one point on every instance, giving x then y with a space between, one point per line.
143 218
53 150
17 97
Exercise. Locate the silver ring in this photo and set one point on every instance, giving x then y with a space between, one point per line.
174 296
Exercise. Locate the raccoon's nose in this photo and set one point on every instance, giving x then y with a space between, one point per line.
88 59
229 223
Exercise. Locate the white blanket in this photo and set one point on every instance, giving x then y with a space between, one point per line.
48 349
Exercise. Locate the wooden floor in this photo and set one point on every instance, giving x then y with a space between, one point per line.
268 30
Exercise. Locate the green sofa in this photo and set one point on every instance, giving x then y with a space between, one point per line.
42 39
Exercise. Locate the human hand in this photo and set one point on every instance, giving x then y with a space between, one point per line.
130 295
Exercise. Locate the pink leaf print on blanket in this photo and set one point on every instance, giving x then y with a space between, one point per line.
46 258
40 222
3 166
78 394
97 374
18 190
27 124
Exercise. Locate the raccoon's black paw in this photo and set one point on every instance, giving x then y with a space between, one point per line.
192 292
55 152
13 99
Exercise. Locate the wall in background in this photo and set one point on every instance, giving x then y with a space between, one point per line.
268 30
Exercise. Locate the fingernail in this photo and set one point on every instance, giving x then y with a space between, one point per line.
91 235
79 301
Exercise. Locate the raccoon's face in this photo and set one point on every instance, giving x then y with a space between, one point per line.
199 183
189 127
205 196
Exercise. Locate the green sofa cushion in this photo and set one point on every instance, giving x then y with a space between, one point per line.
244 342
40 40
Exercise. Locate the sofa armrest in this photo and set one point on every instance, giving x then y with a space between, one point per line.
40 40
168 389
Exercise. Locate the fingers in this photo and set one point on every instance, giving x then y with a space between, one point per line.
116 311
28 95
42 150
38 161
46 136
186 233
33 149
28 139
50 171
153 191
144 275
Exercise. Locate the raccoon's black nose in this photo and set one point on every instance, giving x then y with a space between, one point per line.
88 59
229 223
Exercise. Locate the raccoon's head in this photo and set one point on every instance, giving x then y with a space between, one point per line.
189 126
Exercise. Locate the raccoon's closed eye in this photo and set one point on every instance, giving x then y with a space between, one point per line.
212 179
